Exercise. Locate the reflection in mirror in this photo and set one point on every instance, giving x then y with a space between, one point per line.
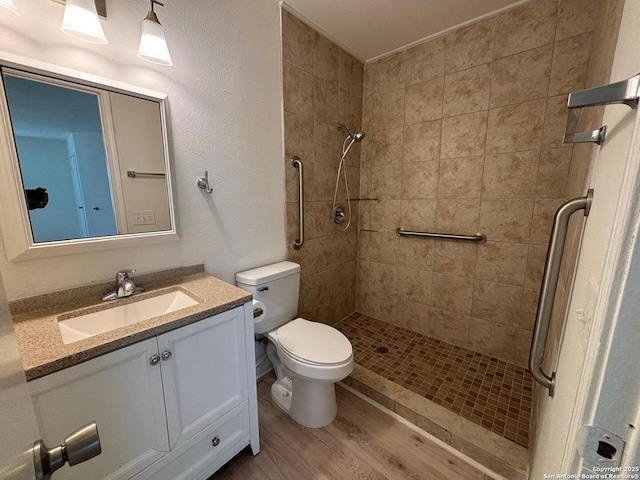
75 144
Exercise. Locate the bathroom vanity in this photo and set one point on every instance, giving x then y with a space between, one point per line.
174 396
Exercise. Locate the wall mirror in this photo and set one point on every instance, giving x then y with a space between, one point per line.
89 166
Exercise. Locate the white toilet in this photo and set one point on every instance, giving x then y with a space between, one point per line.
308 357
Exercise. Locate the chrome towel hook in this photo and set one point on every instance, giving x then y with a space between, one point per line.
203 182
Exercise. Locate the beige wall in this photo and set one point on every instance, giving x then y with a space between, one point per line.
465 135
322 86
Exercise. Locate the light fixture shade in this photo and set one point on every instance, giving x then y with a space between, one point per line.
153 45
7 7
81 20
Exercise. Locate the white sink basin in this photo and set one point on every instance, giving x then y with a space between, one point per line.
85 326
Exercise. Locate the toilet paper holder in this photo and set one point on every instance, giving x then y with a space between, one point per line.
257 312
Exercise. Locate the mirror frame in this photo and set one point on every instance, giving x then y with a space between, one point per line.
18 239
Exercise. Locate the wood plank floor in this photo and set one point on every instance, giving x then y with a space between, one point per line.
362 443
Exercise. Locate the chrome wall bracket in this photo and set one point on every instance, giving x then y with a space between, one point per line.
203 183
625 92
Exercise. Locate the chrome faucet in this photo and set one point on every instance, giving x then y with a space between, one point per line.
126 287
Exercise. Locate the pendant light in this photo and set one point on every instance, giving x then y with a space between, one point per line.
8 8
153 45
81 20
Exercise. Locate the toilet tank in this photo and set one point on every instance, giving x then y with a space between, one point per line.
276 286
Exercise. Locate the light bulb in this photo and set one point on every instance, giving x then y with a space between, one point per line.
81 20
153 45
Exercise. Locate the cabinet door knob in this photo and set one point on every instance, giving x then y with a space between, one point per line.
166 355
154 360
216 441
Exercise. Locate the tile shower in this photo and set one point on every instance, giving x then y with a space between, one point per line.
464 134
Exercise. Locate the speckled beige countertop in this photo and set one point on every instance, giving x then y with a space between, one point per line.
36 319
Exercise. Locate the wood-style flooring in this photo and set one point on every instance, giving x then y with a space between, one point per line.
362 443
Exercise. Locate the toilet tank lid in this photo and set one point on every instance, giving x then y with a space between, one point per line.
268 273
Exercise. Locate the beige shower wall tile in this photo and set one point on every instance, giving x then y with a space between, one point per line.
535 266
386 182
467 91
530 299
383 148
464 136
452 293
327 143
305 257
317 219
470 46
515 128
298 42
502 262
523 348
528 26
325 248
576 17
422 142
384 215
298 136
543 211
325 286
553 173
425 61
521 77
555 122
380 306
450 327
387 111
298 90
350 109
493 339
497 303
455 258
323 182
414 285
414 316
461 177
506 220
458 216
326 102
326 60
383 278
307 299
420 180
415 253
418 215
423 101
364 240
570 61
384 75
510 175
351 74
383 247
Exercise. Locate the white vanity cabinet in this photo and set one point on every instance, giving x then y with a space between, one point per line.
177 406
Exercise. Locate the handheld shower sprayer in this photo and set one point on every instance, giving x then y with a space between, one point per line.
338 210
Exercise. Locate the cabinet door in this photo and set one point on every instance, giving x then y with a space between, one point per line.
206 373
122 392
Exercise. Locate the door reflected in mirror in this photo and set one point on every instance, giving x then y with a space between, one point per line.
75 144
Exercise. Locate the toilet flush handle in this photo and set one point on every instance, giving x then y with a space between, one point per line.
263 289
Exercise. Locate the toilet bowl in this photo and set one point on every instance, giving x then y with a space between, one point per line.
308 357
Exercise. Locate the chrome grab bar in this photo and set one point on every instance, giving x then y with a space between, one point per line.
477 238
295 161
549 286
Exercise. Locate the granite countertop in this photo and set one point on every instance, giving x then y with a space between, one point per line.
36 319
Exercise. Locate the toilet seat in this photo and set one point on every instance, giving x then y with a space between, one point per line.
314 343
313 349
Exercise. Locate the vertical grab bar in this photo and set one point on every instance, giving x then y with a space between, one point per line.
295 161
549 286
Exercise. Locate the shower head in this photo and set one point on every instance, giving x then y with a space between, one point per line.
357 136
